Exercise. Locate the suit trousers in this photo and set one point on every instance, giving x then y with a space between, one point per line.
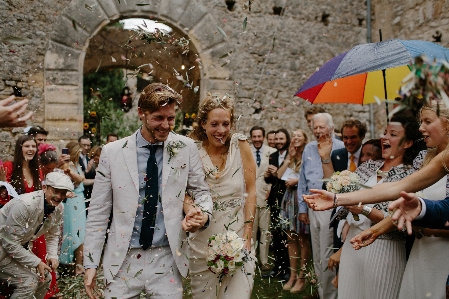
262 222
25 280
322 249
152 271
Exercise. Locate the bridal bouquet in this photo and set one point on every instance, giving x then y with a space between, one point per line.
343 182
225 254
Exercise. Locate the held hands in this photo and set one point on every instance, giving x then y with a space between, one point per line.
90 283
194 220
365 238
406 209
271 171
319 200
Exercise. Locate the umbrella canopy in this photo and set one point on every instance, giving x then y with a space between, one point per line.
355 77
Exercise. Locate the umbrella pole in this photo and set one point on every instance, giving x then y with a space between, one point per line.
385 83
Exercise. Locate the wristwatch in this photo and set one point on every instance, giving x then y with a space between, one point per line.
326 161
366 210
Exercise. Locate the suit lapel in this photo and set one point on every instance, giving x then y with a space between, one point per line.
130 155
165 168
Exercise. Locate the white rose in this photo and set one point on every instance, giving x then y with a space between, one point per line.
219 265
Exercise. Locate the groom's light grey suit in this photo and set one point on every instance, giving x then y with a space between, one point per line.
117 187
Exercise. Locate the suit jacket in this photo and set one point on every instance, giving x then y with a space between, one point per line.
19 220
117 187
437 214
339 159
277 185
263 188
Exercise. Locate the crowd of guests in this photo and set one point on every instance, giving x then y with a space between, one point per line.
33 160
254 188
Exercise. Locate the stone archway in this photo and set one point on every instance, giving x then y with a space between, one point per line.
81 20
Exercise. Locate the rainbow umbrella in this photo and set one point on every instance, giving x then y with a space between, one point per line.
367 71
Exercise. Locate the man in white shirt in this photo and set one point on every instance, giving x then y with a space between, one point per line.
261 154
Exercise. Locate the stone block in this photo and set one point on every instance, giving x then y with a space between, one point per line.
193 13
206 33
68 112
221 85
65 130
62 94
130 6
10 83
61 57
63 77
173 9
109 8
87 18
68 35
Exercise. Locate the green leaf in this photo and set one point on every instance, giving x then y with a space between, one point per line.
88 7
141 4
138 273
222 32
272 46
17 40
245 21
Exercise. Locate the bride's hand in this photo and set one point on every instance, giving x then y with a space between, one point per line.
247 244
319 200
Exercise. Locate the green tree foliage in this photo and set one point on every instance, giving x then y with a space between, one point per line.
102 112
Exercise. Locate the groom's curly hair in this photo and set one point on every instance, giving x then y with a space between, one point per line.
157 95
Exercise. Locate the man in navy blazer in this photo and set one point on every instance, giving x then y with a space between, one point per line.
353 133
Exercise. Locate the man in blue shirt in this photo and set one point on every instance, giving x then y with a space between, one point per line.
311 175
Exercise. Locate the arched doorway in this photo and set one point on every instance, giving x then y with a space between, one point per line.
81 21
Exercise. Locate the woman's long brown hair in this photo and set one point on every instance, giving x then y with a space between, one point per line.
17 179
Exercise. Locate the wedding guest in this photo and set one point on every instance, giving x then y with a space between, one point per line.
11 114
298 233
23 173
427 264
74 228
310 112
347 158
384 261
271 141
24 219
231 175
261 154
111 137
39 134
145 233
311 175
86 164
48 160
279 238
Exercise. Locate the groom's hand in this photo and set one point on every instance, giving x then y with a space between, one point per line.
194 220
90 279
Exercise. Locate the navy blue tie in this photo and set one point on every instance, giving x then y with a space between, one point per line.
151 197
258 158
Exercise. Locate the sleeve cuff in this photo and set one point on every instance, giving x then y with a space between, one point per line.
423 209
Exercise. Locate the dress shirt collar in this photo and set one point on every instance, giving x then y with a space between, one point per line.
254 149
142 142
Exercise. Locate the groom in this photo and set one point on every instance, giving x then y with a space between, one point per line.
143 179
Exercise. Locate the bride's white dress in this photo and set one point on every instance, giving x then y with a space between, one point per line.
227 189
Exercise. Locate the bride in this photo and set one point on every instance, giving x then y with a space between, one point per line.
230 171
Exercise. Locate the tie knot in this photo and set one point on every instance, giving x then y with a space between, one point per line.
152 148
351 157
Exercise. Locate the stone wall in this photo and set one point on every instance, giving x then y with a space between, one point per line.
268 64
